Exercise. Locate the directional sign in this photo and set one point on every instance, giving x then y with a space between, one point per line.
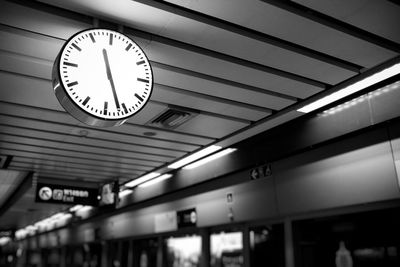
262 171
64 194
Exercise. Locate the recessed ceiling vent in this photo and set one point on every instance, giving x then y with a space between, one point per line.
172 117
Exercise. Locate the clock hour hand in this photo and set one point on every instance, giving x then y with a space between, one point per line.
110 78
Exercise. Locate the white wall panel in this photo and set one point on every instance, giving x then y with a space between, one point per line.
355 171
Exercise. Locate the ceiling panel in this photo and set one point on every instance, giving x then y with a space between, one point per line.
81 167
376 16
195 84
83 148
56 158
255 51
25 17
204 102
229 71
20 131
285 25
80 130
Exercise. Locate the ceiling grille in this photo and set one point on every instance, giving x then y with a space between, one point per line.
173 117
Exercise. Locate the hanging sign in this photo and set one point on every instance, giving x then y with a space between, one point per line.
64 194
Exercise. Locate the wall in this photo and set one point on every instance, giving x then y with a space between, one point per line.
357 170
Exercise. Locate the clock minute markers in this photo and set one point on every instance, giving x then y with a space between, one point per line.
139 97
110 78
70 64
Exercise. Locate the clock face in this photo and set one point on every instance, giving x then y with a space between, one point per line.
105 75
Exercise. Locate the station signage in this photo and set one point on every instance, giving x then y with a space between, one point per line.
261 172
64 194
187 218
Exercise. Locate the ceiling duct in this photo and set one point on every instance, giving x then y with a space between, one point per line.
173 117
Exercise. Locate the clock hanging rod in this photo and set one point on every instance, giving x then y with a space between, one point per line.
97 23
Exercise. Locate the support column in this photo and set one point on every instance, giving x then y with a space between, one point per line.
246 246
205 248
160 252
289 253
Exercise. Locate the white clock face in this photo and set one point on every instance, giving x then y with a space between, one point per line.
105 74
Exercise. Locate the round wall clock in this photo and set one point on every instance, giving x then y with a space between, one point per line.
101 77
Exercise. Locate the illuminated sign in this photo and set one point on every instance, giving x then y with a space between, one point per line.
187 218
63 194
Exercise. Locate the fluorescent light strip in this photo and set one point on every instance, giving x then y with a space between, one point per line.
85 208
124 192
210 158
156 180
142 179
75 208
202 153
353 88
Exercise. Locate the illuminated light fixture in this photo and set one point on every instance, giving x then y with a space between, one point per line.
209 158
75 208
362 98
4 240
124 192
57 216
85 208
353 88
202 153
142 179
156 180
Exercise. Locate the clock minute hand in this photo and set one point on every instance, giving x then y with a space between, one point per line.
110 78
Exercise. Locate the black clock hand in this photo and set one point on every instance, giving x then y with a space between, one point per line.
110 78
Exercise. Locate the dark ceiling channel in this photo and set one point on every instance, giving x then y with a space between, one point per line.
224 57
396 2
250 33
139 161
336 24
87 145
21 189
26 160
223 81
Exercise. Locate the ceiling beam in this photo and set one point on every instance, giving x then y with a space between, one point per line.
334 23
250 33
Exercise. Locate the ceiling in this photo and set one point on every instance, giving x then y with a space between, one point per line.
240 67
